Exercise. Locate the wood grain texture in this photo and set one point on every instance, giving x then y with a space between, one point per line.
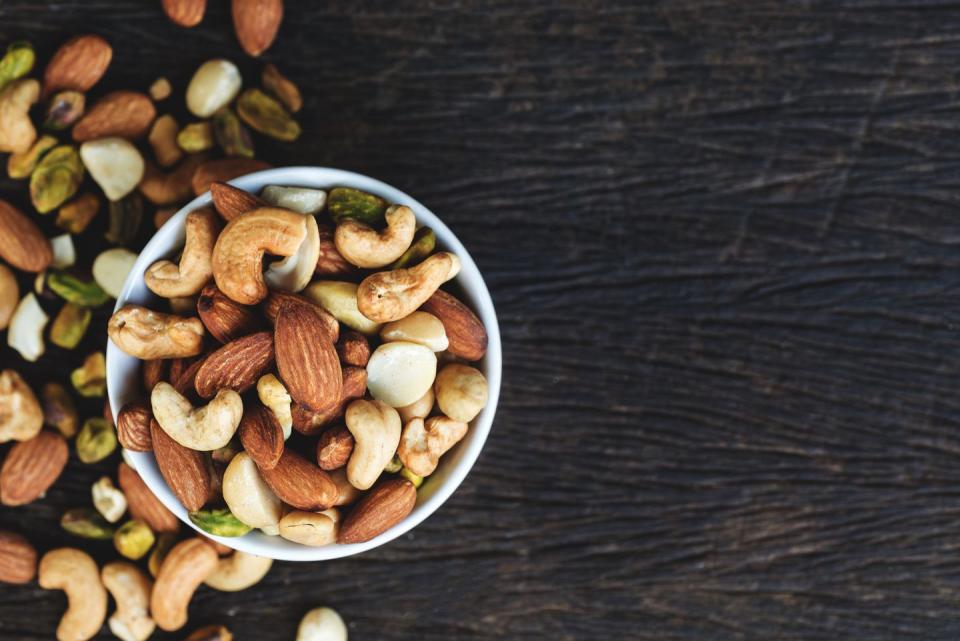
722 238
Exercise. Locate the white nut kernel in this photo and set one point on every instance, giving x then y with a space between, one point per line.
203 429
64 254
248 496
420 408
461 391
419 327
214 84
375 427
275 397
111 267
311 528
300 199
401 372
238 572
322 624
109 501
25 332
293 273
115 165
340 299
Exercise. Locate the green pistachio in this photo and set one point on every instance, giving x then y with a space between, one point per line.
220 522
77 214
231 135
226 453
20 166
424 242
56 178
90 379
133 539
344 202
126 215
267 116
96 440
86 522
70 325
73 290
165 543
413 478
66 108
394 466
282 88
59 409
196 137
17 63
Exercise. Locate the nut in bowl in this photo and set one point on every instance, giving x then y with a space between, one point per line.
333 379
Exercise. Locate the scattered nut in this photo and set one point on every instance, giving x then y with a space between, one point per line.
422 444
168 279
56 178
25 331
124 114
392 295
163 140
95 441
109 501
184 569
266 115
375 427
322 624
78 64
149 335
18 559
21 417
65 109
173 187
125 215
223 170
282 88
90 379
77 214
17 62
115 165
74 572
59 410
16 130
196 137
160 89
214 84
22 165
111 268
461 391
133 540
64 253
9 295
231 135
368 248
400 372
70 325
87 523
165 543
238 571
130 588
211 633
143 504
202 429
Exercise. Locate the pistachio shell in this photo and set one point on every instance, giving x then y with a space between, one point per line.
126 215
231 135
17 62
267 116
65 109
70 325
115 165
77 214
282 88
86 522
72 289
96 440
59 410
133 539
220 522
90 379
345 202
56 178
22 165
424 242
196 137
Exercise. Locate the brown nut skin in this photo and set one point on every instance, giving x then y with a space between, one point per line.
9 295
237 365
150 335
256 23
238 253
308 422
353 348
78 64
261 436
164 189
185 14
330 262
465 333
171 280
300 483
188 473
211 633
154 371
271 307
223 170
31 467
127 114
306 358
388 503
133 427
18 558
391 295
334 448
182 572
23 245
143 503
225 319
231 201
185 382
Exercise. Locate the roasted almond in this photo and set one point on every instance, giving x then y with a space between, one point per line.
306 358
78 64
272 303
330 262
261 436
184 383
230 201
185 13
142 502
354 386
237 365
188 473
18 558
300 483
153 372
127 114
133 426
256 23
31 467
467 336
225 319
223 170
353 348
387 504
22 244
334 448
172 188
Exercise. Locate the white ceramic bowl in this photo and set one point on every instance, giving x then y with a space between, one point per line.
124 379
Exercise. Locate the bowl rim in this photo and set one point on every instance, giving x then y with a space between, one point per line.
459 462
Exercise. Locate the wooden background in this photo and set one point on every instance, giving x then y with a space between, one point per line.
723 239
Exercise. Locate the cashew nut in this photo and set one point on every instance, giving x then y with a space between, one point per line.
461 391
238 253
25 333
238 572
182 572
21 416
247 495
74 572
401 372
423 443
311 528
293 273
322 624
274 396
202 429
167 279
392 295
150 335
110 502
130 588
420 408
376 431
16 129
340 299
346 493
418 327
366 247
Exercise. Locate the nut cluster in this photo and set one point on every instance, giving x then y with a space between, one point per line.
319 373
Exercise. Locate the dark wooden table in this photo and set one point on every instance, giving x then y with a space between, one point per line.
723 239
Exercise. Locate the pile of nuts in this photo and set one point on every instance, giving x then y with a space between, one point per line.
337 375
